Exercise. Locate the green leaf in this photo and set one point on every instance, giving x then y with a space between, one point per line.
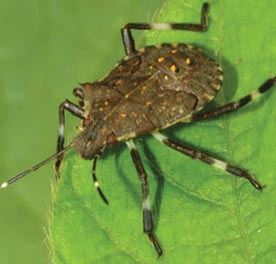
201 214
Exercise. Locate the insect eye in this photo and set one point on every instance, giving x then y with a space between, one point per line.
78 92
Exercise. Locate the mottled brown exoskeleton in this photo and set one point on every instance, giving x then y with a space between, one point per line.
150 89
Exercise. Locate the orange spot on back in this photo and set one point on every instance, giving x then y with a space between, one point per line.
123 115
188 61
160 59
173 68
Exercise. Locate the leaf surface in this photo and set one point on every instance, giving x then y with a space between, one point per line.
201 214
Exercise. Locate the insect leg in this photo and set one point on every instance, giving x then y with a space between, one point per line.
96 183
76 111
128 40
234 106
196 154
147 217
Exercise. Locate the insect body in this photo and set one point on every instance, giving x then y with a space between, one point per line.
150 89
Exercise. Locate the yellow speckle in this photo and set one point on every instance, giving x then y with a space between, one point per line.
160 59
101 109
143 90
188 61
166 77
123 115
173 68
174 51
151 67
149 102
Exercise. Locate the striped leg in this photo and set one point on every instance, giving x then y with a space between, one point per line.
76 111
96 183
147 217
195 154
129 41
234 106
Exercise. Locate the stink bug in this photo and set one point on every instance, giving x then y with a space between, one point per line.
150 89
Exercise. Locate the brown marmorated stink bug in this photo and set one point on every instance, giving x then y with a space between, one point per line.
150 89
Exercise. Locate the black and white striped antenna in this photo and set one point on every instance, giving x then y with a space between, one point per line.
34 168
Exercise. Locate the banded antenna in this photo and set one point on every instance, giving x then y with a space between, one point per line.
34 168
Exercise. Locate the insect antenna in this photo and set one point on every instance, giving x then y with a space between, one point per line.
34 168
